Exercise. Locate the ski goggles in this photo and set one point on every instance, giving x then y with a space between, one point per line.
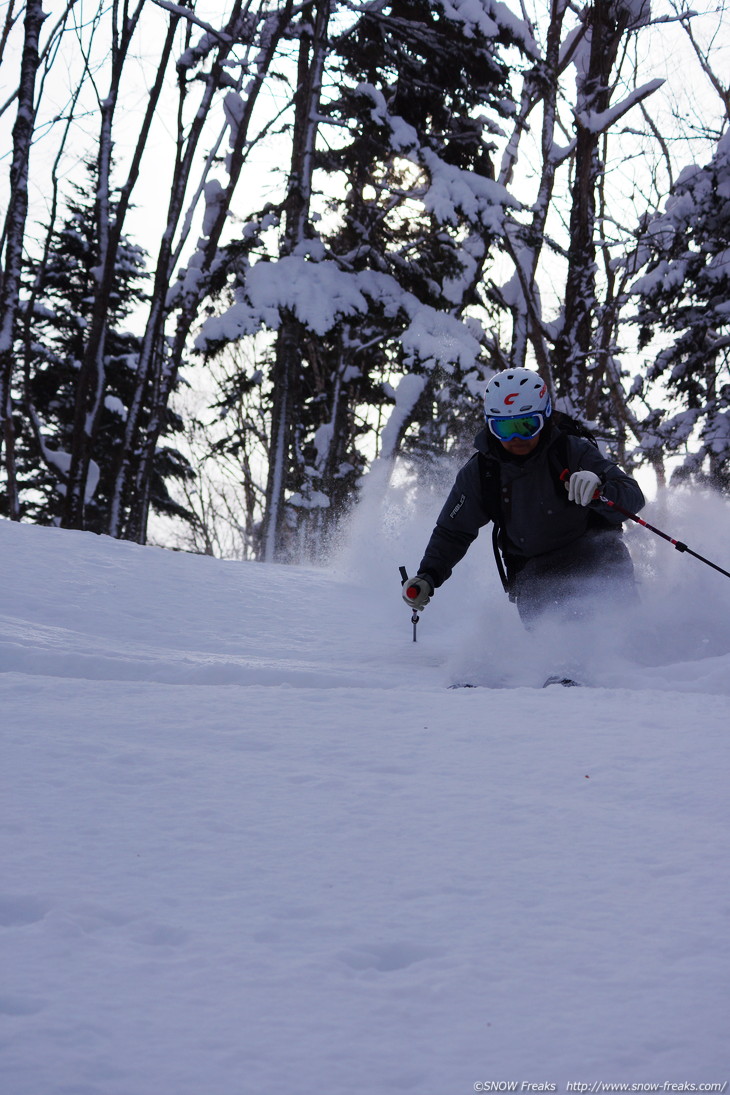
524 428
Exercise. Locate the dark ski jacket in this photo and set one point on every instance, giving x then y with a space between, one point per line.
526 498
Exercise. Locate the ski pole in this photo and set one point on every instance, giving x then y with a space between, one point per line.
414 617
677 543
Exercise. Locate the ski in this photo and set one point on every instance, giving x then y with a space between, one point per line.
567 682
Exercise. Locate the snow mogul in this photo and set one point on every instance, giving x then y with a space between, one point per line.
540 479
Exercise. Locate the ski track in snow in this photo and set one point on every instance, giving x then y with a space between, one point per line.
253 842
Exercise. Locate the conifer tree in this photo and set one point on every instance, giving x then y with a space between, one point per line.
684 299
53 333
420 89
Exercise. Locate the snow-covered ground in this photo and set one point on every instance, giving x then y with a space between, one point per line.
253 843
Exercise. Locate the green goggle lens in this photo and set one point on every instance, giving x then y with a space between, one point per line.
507 429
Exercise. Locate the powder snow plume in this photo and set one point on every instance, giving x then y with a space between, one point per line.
677 634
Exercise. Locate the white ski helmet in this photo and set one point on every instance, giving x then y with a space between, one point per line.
516 392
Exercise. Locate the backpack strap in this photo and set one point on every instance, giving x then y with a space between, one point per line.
490 480
506 585
558 456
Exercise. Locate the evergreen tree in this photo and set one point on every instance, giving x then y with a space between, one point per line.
54 330
686 294
420 89
425 92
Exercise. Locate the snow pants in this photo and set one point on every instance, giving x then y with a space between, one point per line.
567 582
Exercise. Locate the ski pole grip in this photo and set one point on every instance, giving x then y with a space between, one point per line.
597 496
403 574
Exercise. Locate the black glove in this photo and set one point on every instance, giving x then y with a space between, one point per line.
417 591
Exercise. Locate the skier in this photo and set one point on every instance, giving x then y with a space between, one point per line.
537 478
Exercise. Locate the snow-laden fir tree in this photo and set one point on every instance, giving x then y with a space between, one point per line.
369 302
425 91
684 303
51 341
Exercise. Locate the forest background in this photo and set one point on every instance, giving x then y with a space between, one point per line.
252 252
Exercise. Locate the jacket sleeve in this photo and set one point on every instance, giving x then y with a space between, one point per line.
616 485
457 526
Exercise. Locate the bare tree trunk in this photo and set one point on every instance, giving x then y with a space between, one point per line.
160 366
703 54
288 361
526 246
14 233
91 381
607 22
12 13
27 337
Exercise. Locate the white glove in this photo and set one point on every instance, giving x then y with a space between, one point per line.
417 591
582 487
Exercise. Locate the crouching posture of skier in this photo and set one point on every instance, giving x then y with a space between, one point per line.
539 482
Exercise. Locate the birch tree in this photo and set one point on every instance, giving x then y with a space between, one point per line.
607 22
218 70
260 34
13 237
568 238
287 368
91 383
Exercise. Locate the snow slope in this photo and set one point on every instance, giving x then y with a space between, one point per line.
253 843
